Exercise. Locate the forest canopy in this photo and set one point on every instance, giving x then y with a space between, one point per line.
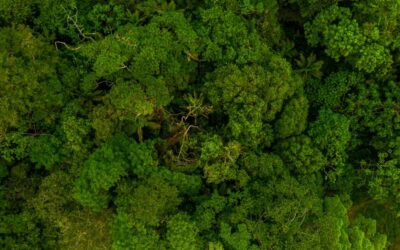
188 124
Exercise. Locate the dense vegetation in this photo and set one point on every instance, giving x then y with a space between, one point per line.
199 124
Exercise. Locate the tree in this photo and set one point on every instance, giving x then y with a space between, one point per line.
301 155
220 161
239 240
355 39
252 97
331 92
31 86
339 233
106 166
293 120
331 134
182 233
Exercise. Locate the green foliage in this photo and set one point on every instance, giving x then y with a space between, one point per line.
208 209
383 184
29 82
355 39
252 97
185 183
45 151
15 11
14 147
228 38
127 104
293 120
334 225
20 227
106 166
75 130
238 240
107 56
309 66
106 18
330 132
263 166
141 209
62 18
220 161
182 233
339 233
309 8
217 124
127 234
150 202
301 155
163 49
332 91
